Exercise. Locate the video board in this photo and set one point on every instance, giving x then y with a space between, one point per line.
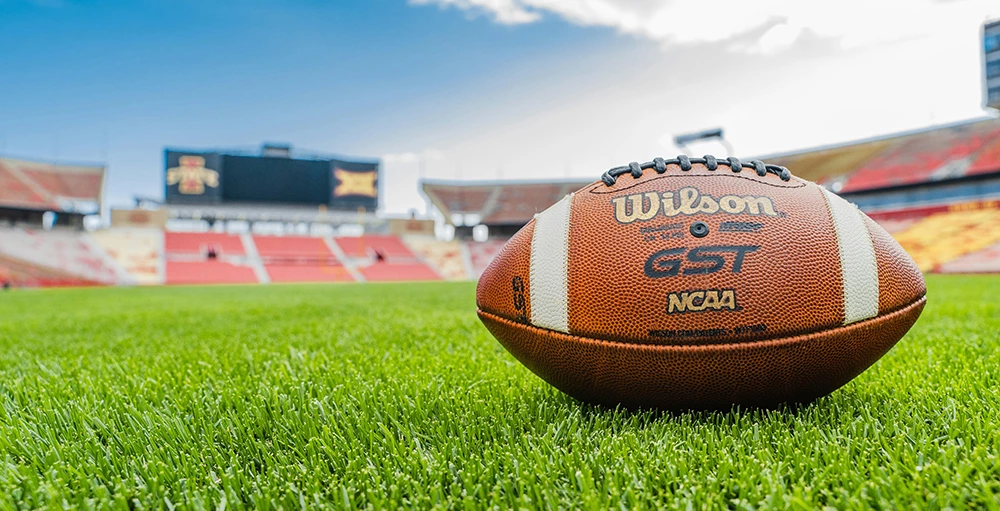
283 180
991 64
221 178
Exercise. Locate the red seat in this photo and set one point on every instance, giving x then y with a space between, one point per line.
391 247
482 253
13 192
208 272
292 246
383 272
198 242
307 273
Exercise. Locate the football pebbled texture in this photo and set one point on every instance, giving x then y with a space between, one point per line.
700 283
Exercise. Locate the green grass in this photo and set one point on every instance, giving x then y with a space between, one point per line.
388 396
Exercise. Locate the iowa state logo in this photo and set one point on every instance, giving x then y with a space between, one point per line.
640 207
191 176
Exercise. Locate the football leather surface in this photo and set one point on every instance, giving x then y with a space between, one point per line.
700 284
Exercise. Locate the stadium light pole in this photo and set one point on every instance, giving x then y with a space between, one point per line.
682 140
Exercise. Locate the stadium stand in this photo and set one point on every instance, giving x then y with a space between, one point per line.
299 259
497 203
988 160
384 258
209 272
460 198
14 192
292 247
919 185
936 190
19 273
481 253
45 186
367 246
189 261
936 154
981 261
308 273
447 257
517 204
137 251
826 165
959 230
67 253
66 182
928 156
200 242
384 272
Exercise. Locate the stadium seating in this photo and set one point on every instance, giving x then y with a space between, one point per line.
931 155
68 253
988 159
481 253
198 243
825 165
384 272
19 273
208 272
499 203
138 251
397 262
15 192
986 260
308 273
390 247
40 185
517 204
446 257
897 226
459 198
292 247
943 237
299 259
63 183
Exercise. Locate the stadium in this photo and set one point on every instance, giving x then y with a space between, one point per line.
936 190
264 335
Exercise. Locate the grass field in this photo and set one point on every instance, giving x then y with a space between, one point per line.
387 396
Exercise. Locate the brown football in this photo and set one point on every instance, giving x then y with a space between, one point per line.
700 283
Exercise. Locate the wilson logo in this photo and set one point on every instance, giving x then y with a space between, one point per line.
698 301
640 207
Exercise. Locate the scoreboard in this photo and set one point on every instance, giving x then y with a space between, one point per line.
991 64
196 177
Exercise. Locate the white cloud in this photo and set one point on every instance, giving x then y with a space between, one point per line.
765 81
775 24
508 12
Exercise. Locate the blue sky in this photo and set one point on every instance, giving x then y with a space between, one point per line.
475 88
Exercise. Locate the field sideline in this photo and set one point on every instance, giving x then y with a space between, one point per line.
386 396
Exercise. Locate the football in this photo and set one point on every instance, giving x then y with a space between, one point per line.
700 283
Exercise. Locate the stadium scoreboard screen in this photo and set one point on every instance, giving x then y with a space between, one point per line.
193 177
991 64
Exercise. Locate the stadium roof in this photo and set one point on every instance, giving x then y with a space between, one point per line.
53 187
498 202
